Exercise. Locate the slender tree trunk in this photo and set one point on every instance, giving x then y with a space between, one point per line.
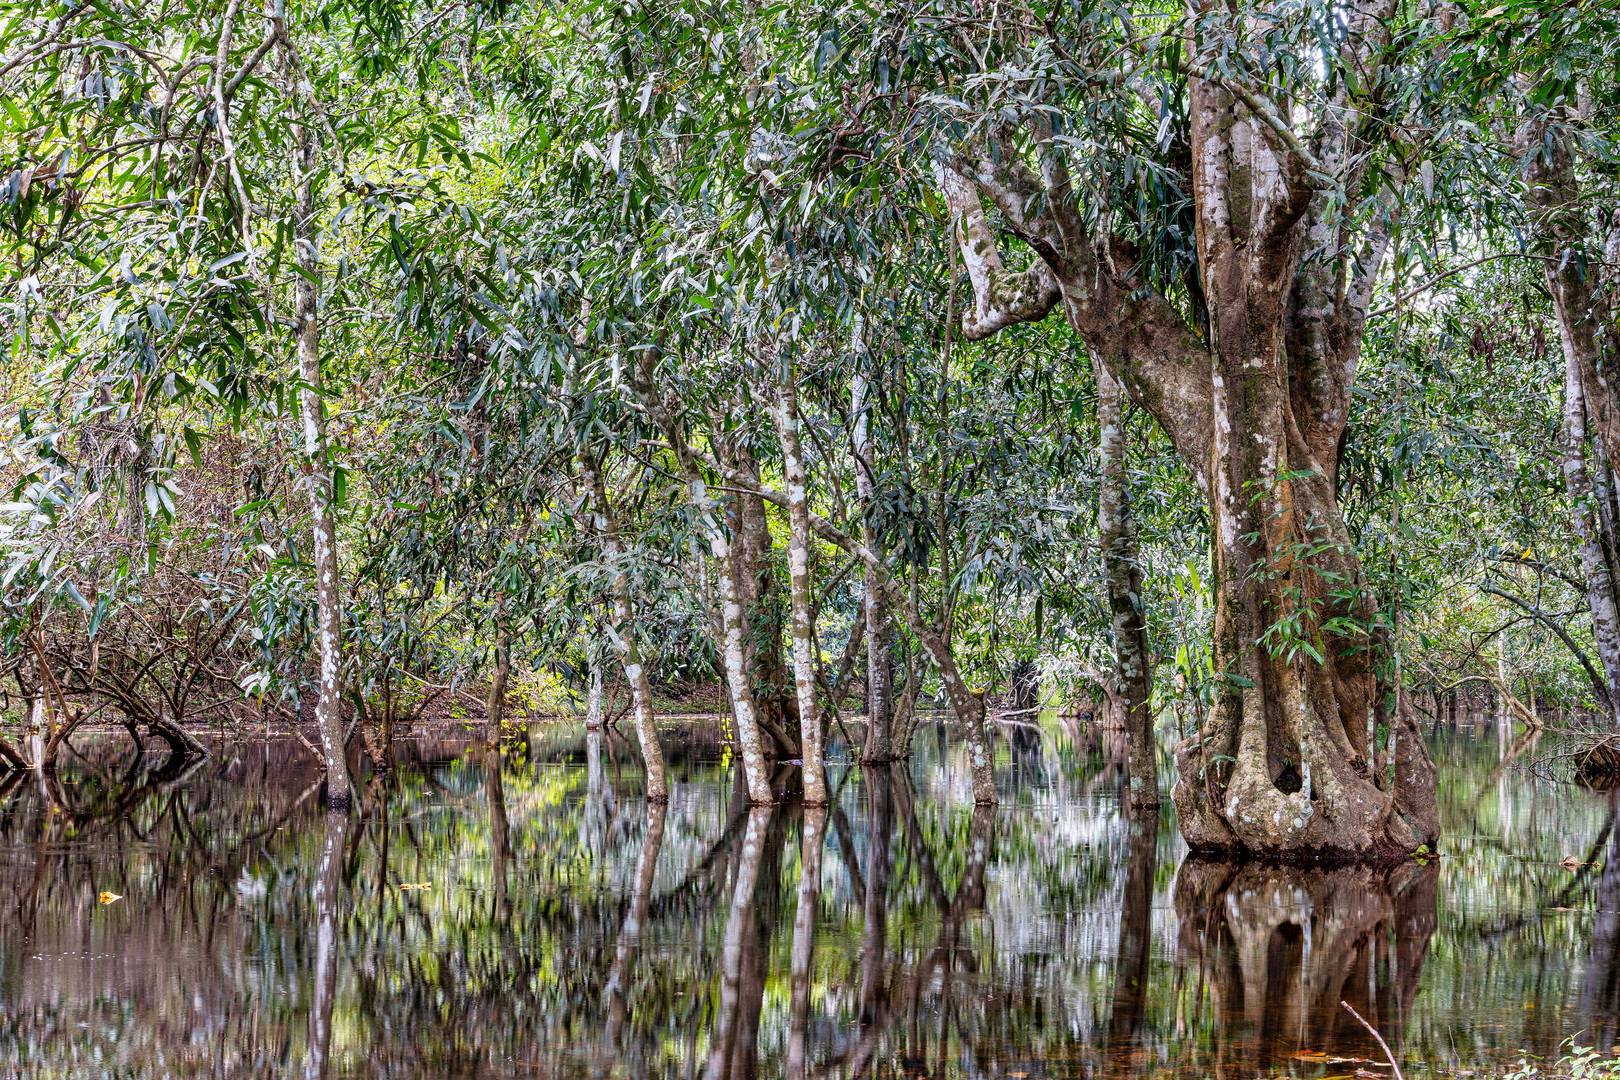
328 599
1116 529
593 692
749 741
607 532
710 516
1600 592
496 707
804 659
879 692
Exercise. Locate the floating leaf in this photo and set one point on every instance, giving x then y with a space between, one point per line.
109 898
418 885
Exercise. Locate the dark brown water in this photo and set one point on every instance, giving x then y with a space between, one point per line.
570 931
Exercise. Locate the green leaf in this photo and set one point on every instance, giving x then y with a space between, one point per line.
194 444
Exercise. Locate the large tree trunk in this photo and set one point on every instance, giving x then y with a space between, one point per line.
1256 399
1116 529
328 601
1589 526
804 658
1572 278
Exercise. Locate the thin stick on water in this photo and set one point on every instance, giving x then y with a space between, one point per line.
1392 1062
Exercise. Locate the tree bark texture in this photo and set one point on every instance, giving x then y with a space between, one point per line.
323 521
1116 531
1255 398
804 658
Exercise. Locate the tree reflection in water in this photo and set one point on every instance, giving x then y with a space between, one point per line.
572 930
1279 947
327 901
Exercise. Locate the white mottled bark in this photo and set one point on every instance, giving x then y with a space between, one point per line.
749 741
804 660
593 693
328 599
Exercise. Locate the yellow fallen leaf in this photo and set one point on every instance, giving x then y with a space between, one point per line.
418 885
109 898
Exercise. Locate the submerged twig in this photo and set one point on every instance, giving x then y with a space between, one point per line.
1387 1053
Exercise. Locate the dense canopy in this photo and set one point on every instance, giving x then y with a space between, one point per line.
1236 375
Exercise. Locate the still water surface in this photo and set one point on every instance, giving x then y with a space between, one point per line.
567 930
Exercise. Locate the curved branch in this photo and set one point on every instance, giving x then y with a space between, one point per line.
1599 687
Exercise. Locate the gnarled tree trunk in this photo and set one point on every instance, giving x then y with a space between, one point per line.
1255 398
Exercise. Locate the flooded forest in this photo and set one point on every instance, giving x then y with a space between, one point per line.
897 539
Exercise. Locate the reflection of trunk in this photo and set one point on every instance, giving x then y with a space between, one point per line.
596 816
1135 935
879 691
497 689
804 938
804 659
1280 947
1600 988
904 1003
1116 532
323 522
874 941
724 1036
500 846
624 954
328 881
